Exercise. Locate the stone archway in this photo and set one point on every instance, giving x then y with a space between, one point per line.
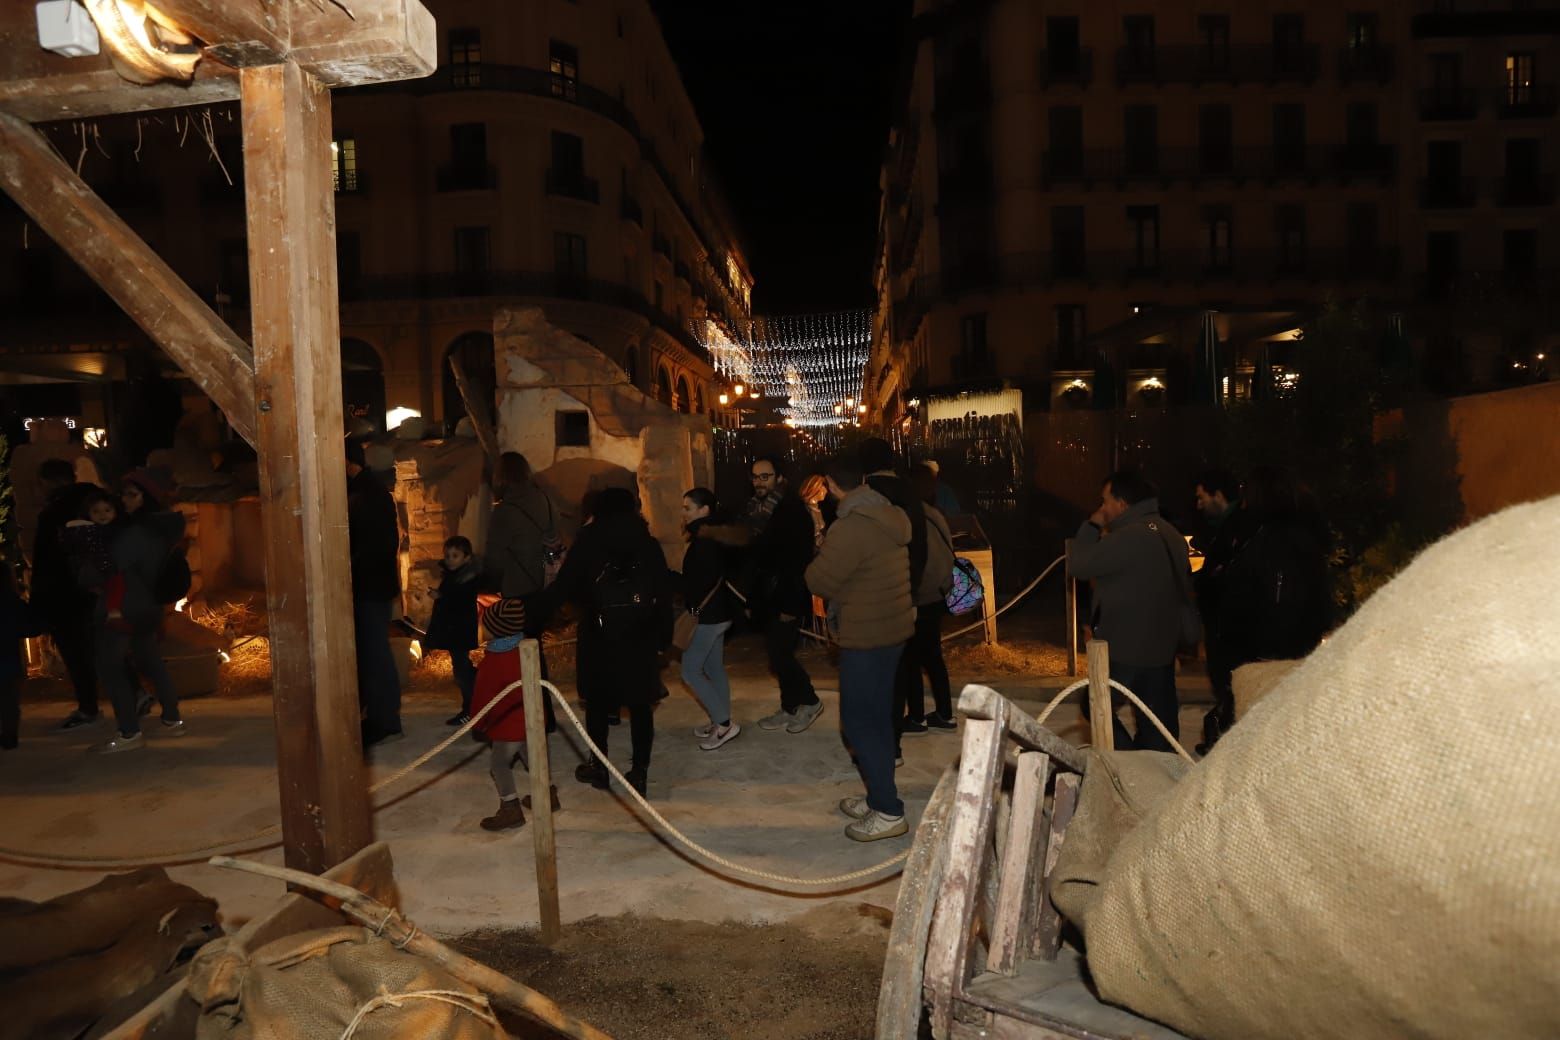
362 383
663 385
684 399
475 351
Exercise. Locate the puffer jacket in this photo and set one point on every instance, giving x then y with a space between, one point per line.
863 570
1141 580
937 575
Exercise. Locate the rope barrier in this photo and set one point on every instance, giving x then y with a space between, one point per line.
1081 683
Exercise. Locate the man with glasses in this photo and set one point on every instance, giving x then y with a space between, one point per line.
779 532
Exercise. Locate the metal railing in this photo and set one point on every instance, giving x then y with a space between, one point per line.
1344 162
1448 192
1372 64
467 177
1200 63
1533 101
573 184
1074 67
1442 104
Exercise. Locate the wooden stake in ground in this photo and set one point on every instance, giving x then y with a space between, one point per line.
541 792
303 480
1102 735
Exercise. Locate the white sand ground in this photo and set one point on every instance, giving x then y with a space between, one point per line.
767 798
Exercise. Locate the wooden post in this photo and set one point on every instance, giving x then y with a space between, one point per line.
1101 709
303 483
541 792
1071 585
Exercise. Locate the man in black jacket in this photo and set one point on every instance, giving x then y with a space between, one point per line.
58 599
375 538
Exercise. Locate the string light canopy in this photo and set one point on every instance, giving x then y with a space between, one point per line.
813 363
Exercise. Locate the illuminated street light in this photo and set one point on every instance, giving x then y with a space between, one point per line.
737 389
725 399
861 409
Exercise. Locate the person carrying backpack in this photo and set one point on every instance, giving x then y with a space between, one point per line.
615 576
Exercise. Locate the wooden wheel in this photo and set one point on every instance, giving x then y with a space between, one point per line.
899 999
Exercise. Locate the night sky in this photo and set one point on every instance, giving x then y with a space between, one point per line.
795 99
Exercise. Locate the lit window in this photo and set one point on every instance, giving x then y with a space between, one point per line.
465 58
343 164
563 64
1519 79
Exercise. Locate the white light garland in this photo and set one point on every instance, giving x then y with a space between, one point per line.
812 362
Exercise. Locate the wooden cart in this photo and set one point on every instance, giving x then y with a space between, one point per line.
976 949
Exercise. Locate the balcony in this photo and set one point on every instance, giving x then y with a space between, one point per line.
1199 64
1526 190
629 209
1365 160
1311 163
1535 101
1365 65
1459 288
1447 192
1446 104
467 177
573 184
1067 68
661 244
1451 18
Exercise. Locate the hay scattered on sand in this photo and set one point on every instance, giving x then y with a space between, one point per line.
1009 658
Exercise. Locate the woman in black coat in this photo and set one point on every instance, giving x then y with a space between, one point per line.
616 578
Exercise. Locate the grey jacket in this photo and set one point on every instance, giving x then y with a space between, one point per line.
1141 577
524 523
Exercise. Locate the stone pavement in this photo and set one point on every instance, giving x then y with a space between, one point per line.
767 798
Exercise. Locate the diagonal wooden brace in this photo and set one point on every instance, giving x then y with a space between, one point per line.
148 290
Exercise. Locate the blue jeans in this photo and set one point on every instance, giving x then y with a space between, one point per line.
867 718
704 669
1155 687
379 685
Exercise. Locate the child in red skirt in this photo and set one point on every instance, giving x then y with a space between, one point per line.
504 624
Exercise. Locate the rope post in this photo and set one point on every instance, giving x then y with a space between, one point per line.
1071 609
541 792
1101 733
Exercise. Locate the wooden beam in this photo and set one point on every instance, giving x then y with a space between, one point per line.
1102 707
303 482
982 702
105 247
542 837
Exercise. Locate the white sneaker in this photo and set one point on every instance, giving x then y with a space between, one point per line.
875 827
779 720
720 735
805 716
117 743
855 808
703 732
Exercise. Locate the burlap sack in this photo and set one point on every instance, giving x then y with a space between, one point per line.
1254 681
320 984
1374 852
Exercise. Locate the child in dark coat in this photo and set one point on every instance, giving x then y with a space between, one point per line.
17 622
453 626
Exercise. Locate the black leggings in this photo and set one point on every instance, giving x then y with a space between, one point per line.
923 651
641 728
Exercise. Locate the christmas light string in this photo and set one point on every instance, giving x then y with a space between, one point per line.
813 362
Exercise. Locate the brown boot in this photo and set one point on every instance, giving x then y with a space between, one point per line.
509 816
552 790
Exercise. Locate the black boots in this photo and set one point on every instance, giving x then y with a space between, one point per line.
594 774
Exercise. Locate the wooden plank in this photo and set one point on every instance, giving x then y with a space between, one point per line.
542 836
980 702
1057 995
900 1006
1012 933
148 290
1102 734
1071 585
1048 928
948 951
382 40
303 483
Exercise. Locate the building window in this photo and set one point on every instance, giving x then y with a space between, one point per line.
1519 252
1362 122
1289 138
471 250
684 405
1138 31
569 261
1066 129
1215 139
563 64
1140 128
1522 177
1213 34
1443 172
465 58
1443 261
1070 332
620 29
343 164
1064 56
349 264
568 154
1068 250
1363 235
1289 42
973 355
1143 227
1364 30
1217 235
660 295
573 428
1519 79
1289 224
468 169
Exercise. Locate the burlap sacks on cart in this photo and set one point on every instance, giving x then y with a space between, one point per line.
1374 851
1254 681
327 982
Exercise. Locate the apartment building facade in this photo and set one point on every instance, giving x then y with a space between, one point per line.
553 159
1075 191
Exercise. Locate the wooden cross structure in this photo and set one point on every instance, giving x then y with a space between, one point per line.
282 394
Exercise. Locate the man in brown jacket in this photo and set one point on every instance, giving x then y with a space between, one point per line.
863 570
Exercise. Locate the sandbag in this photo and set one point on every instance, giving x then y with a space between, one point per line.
1252 682
318 983
1374 852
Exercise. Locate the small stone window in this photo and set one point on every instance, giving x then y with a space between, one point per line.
573 429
